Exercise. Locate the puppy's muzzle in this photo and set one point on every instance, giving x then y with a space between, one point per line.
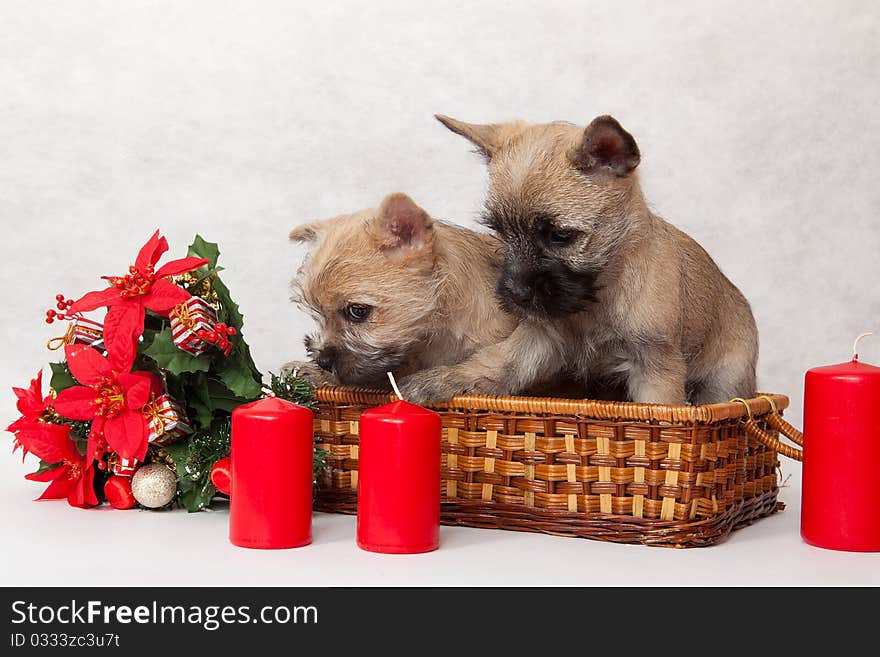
517 291
326 359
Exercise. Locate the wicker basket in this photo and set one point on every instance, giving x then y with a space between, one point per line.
680 476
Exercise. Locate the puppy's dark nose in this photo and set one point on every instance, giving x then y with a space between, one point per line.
518 291
326 358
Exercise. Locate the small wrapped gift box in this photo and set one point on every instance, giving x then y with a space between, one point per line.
122 467
80 331
187 319
167 421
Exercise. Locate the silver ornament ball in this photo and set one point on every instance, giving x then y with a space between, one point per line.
153 485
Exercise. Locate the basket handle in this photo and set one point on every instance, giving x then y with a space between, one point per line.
774 420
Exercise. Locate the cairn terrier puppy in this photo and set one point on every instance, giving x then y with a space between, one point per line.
393 290
602 285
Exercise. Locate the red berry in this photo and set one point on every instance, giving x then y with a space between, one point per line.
68 303
232 330
51 313
49 320
60 305
59 297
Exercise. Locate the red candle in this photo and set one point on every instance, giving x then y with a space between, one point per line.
270 496
399 479
840 508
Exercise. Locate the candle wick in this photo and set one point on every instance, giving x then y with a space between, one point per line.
856 344
394 386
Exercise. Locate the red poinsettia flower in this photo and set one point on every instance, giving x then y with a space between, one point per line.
142 288
72 475
111 399
31 404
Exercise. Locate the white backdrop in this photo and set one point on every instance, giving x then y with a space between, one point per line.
758 125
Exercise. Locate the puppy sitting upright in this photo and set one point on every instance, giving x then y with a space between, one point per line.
393 290
604 286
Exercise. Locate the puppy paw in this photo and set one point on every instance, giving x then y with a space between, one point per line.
436 385
309 371
484 386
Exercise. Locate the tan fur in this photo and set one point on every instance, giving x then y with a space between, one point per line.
430 285
665 321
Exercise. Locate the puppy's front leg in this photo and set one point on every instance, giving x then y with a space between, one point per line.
505 368
309 371
657 376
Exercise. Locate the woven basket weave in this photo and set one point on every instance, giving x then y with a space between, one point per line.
678 476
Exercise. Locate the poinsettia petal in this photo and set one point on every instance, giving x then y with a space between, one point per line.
16 445
49 475
20 424
127 434
30 398
91 300
76 403
86 363
36 387
180 266
47 441
59 488
137 389
151 252
123 325
163 296
31 401
82 494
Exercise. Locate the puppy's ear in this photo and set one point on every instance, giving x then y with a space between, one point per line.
305 233
606 147
486 138
401 228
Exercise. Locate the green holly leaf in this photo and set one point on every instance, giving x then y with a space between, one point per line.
199 400
223 399
46 466
244 355
169 356
61 377
196 495
203 249
186 491
178 452
237 375
149 336
229 312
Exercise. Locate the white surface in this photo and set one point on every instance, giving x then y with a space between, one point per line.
50 543
757 123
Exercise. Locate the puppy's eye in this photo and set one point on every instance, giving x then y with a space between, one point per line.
560 237
357 312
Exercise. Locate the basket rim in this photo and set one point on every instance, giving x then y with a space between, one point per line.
607 410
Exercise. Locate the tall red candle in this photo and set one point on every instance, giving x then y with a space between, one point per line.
399 479
270 497
840 507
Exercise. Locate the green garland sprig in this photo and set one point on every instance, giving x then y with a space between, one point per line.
194 456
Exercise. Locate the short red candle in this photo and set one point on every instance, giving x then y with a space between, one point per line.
270 497
840 509
399 479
